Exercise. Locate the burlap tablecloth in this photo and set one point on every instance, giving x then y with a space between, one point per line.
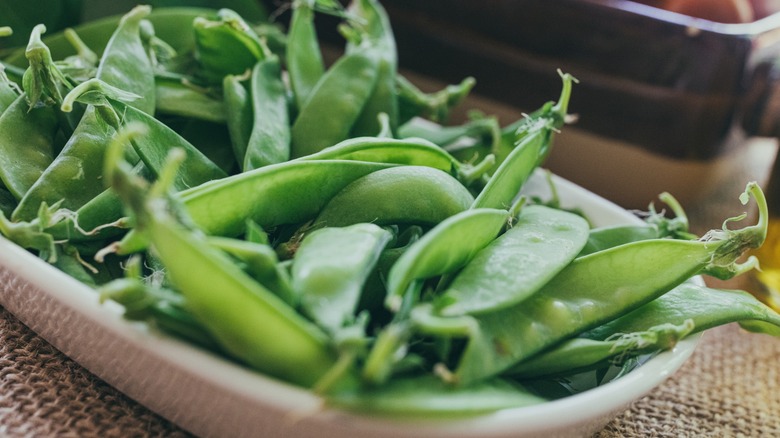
729 388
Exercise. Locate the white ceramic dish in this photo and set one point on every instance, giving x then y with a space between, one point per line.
212 397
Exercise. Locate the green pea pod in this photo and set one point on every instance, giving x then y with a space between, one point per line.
125 63
706 307
330 268
533 145
374 28
177 97
450 245
9 91
303 56
398 195
226 46
248 321
238 109
590 291
262 263
269 142
578 355
44 83
335 103
448 136
26 146
411 151
427 397
541 243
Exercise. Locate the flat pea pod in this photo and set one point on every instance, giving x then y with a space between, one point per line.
227 45
303 56
541 243
238 110
375 29
448 246
330 269
125 63
397 195
427 397
285 193
588 292
533 145
26 145
579 354
335 103
410 151
175 96
269 141
706 307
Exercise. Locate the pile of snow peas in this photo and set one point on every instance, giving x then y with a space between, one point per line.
224 184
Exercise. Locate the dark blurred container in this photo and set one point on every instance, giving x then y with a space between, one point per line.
668 83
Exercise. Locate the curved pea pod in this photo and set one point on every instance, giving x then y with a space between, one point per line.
436 106
397 195
580 354
448 246
305 66
125 63
330 268
269 141
588 292
541 243
26 146
373 25
335 103
227 45
427 397
238 109
706 307
533 142
176 96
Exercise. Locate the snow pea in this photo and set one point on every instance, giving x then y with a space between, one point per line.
330 269
397 195
249 322
239 113
269 141
372 25
591 291
541 243
227 45
707 307
580 354
304 61
448 246
533 145
436 106
44 83
175 95
26 145
335 103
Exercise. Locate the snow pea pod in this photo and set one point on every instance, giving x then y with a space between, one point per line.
335 103
373 25
533 145
590 291
269 141
541 243
178 97
580 354
448 246
26 145
427 397
330 268
227 45
397 195
436 106
303 56
706 307
238 110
